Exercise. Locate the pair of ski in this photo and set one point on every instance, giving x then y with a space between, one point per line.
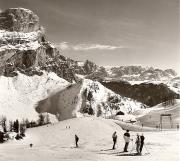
130 154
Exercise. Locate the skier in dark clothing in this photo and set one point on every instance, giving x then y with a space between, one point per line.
138 143
114 136
76 140
142 142
1 137
127 140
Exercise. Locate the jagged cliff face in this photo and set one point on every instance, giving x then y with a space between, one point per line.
83 68
24 48
126 73
19 19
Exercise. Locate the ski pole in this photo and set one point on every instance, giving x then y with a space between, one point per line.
147 149
132 146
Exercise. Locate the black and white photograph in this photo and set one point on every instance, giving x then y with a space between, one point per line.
89 80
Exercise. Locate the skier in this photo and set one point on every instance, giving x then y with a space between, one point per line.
76 140
142 142
126 139
114 137
1 137
138 142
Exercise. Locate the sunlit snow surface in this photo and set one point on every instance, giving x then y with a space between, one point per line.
56 143
19 94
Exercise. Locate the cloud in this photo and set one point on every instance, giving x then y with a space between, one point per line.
63 45
86 47
95 46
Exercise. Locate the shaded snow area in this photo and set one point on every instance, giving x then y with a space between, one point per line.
77 99
19 94
151 117
56 143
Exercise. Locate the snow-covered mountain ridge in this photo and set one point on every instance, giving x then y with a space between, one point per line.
21 94
133 73
27 63
87 97
23 39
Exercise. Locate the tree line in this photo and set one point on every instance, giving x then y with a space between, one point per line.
19 127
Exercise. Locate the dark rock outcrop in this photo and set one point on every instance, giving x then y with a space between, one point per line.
27 52
147 93
19 19
87 67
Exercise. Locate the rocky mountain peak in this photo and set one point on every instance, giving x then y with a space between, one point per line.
24 47
19 19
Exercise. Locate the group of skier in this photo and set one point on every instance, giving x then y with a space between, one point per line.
139 141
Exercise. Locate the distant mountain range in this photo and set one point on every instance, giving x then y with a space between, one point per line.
23 47
126 73
31 66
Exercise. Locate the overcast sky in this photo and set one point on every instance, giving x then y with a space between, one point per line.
111 32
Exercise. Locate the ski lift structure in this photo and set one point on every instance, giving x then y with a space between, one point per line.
165 115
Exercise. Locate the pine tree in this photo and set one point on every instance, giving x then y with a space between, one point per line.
27 123
91 111
99 111
4 125
11 126
16 126
22 130
41 119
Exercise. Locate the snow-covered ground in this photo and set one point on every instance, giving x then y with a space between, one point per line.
151 117
19 94
56 143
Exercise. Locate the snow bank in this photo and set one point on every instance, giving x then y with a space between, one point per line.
19 94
